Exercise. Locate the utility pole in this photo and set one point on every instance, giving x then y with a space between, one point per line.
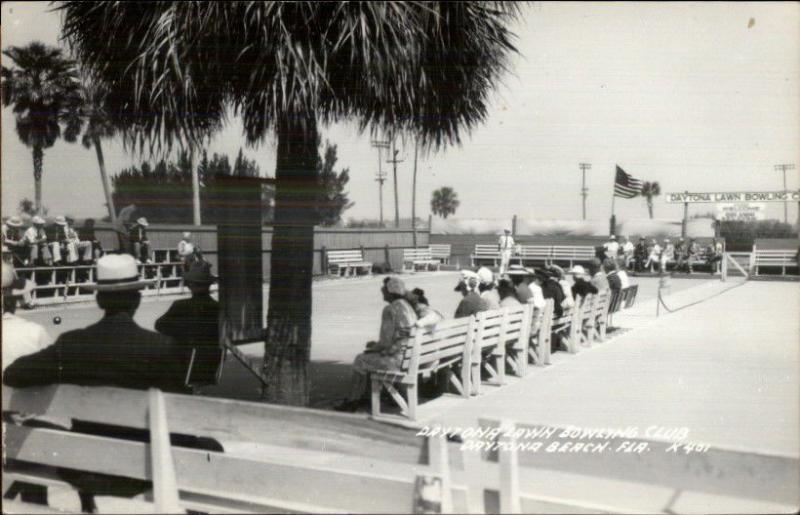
414 197
380 177
584 189
782 168
394 162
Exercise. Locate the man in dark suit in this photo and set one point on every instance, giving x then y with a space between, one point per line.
113 352
194 324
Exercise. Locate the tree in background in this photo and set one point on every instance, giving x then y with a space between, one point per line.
163 193
650 190
444 202
333 201
27 207
176 68
42 89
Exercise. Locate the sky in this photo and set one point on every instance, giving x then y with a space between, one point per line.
697 96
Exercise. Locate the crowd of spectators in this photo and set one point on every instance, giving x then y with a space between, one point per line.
56 244
650 255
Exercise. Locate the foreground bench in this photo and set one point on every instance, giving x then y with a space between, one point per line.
347 262
419 258
782 259
499 333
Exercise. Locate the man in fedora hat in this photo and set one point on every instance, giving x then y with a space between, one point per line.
35 239
137 236
519 275
66 242
13 239
113 352
472 302
20 337
194 323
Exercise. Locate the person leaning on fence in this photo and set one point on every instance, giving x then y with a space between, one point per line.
140 244
486 288
20 337
35 240
397 320
471 303
506 246
194 323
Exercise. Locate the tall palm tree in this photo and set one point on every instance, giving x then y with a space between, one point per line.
444 202
41 88
419 68
650 190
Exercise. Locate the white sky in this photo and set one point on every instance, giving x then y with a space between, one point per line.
697 96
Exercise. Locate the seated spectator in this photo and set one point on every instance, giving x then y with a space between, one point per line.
668 255
622 273
20 337
86 233
561 277
186 239
654 255
507 292
194 324
426 316
640 254
599 279
140 244
715 253
551 289
472 303
487 289
611 247
581 287
518 275
13 240
66 242
692 254
35 240
626 250
112 352
537 279
397 320
681 255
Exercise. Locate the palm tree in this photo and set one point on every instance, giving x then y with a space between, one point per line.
41 87
98 125
650 190
174 68
444 202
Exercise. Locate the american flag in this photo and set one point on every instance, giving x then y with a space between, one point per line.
625 186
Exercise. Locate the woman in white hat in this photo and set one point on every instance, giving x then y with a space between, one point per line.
486 287
20 337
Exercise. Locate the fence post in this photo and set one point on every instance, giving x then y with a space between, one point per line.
386 255
514 225
323 259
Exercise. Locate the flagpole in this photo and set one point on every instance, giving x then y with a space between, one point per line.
613 222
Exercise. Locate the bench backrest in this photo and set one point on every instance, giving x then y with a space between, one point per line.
630 298
536 251
440 250
417 254
439 345
583 252
776 257
486 250
345 256
501 326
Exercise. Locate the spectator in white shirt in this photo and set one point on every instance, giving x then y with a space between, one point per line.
487 289
611 247
20 337
35 239
655 255
506 247
627 251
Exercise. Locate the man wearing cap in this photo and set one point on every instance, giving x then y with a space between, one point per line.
506 246
138 240
397 320
471 303
194 323
486 287
113 352
20 337
35 240
13 239
582 287
611 247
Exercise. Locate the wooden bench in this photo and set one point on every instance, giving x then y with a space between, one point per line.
485 254
568 325
440 347
774 258
535 254
347 262
440 251
419 258
495 331
273 458
572 254
541 337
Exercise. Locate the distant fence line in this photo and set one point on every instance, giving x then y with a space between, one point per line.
378 245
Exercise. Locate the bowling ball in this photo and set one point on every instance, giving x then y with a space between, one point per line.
56 320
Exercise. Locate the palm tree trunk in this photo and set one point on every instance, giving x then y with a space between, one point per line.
38 158
288 346
650 206
414 199
195 188
112 212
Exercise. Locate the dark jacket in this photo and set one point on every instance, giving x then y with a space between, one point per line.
194 323
552 290
113 352
137 233
614 282
582 289
471 305
523 292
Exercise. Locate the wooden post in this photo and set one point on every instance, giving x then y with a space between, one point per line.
165 487
509 470
323 260
685 221
514 225
386 254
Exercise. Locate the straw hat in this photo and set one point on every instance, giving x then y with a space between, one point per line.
14 221
118 272
60 220
142 221
187 235
577 270
37 220
485 276
518 270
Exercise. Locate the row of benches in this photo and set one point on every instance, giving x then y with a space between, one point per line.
532 254
465 347
350 263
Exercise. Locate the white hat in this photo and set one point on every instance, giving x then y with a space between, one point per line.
38 220
14 221
485 276
612 237
142 221
577 270
468 278
118 272
60 220
187 234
